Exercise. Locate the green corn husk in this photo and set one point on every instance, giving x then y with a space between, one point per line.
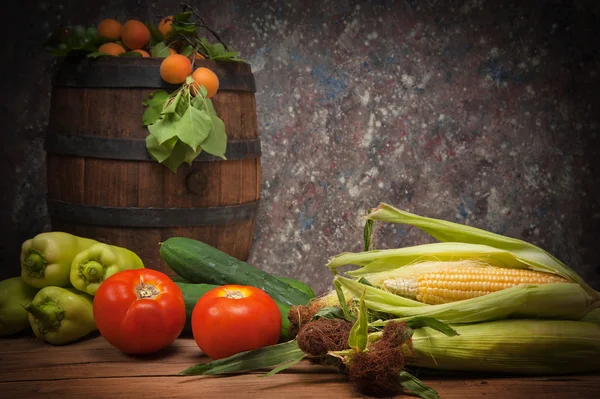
510 346
570 301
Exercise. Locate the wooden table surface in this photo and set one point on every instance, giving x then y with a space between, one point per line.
93 369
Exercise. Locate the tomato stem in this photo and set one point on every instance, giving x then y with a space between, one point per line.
233 294
146 291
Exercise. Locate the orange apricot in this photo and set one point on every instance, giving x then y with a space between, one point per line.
111 48
175 68
109 29
207 78
142 52
165 25
198 56
134 34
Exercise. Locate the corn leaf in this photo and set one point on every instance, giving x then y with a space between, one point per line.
329 312
342 300
416 386
567 301
445 231
510 346
420 322
269 356
360 330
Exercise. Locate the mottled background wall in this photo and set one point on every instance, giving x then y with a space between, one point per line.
480 112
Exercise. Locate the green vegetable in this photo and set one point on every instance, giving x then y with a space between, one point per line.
193 292
61 315
198 262
97 263
46 258
14 293
182 125
572 300
297 284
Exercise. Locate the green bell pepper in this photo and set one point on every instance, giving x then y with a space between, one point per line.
46 258
61 315
97 263
14 293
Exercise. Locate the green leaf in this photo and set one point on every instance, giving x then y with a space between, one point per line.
160 152
97 54
160 50
156 36
364 281
181 25
130 54
283 366
182 17
342 300
360 330
156 99
416 386
219 48
150 116
329 312
177 157
190 154
155 102
368 235
216 142
194 127
172 103
187 51
431 322
164 129
269 356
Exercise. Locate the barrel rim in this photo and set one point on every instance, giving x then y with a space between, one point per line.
139 72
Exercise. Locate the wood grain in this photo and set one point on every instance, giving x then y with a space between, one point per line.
117 113
92 368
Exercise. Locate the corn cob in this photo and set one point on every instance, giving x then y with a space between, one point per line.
510 346
455 281
562 295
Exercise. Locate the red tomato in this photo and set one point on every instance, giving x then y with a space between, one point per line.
139 311
235 318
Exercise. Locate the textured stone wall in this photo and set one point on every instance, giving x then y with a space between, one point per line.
481 112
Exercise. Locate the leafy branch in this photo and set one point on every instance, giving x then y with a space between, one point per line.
182 125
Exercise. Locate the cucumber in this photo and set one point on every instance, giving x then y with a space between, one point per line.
198 262
193 292
297 284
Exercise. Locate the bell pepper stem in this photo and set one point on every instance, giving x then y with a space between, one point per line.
91 271
35 263
48 316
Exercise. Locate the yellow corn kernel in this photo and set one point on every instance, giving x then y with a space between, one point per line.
454 283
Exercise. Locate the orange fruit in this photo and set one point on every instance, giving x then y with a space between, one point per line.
175 68
207 78
134 34
142 52
165 25
198 56
111 48
110 29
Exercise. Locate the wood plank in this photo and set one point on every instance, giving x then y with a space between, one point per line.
93 368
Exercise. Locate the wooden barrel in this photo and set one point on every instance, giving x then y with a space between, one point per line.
102 183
